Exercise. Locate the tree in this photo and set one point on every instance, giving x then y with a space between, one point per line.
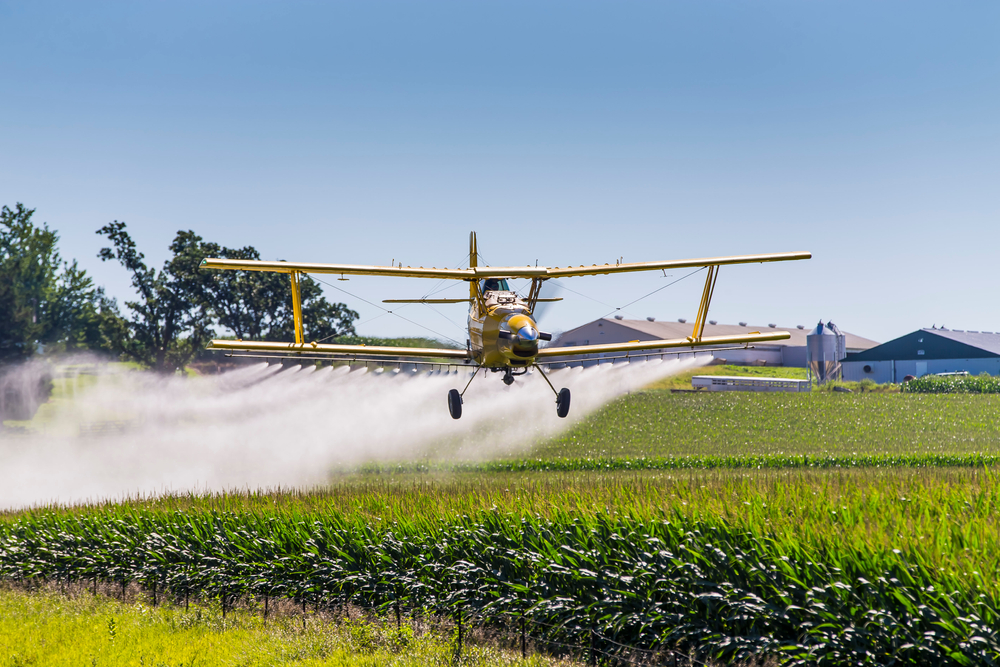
44 300
178 305
254 305
162 315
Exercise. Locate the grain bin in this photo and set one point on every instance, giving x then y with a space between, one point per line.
826 346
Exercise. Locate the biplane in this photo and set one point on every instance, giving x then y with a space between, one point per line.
503 334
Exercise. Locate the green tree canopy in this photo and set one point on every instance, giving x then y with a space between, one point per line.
254 305
178 306
162 315
44 300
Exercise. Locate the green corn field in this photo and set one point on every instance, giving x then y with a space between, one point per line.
725 424
855 566
953 384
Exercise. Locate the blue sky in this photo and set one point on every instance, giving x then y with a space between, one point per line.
867 133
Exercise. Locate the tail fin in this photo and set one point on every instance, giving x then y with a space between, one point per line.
473 263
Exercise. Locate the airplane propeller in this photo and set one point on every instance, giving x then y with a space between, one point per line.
550 289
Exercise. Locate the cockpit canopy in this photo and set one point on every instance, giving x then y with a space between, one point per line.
494 285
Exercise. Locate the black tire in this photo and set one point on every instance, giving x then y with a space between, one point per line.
562 402
455 404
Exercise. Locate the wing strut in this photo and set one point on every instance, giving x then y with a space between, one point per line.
706 299
296 306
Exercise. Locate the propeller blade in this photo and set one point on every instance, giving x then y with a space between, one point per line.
550 290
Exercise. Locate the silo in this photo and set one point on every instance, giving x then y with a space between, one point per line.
826 346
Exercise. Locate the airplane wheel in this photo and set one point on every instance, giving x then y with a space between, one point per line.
455 404
562 402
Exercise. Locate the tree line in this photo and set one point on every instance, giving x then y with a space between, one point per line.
48 304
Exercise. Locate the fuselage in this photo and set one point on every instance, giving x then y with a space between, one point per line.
502 331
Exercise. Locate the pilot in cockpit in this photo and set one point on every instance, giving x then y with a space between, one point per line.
495 285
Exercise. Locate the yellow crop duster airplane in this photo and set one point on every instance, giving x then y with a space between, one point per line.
503 336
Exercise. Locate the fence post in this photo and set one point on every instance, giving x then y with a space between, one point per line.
265 606
458 650
524 643
399 626
593 653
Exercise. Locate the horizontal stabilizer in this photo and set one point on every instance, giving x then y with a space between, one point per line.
466 300
452 300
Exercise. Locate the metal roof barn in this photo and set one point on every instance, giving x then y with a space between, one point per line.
924 352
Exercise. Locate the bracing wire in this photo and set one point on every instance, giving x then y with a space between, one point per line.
443 284
389 312
674 282
446 318
585 296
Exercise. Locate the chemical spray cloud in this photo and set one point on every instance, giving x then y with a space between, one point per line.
269 426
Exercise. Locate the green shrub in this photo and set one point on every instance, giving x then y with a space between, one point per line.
865 386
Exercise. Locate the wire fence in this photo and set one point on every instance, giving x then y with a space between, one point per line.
518 633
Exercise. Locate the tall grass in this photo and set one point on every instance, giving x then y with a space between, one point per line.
43 628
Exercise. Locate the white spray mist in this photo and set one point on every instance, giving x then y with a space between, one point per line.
267 426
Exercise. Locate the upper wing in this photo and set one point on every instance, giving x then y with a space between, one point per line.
593 270
478 272
338 350
474 273
638 346
343 269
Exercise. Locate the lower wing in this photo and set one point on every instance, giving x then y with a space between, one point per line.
327 349
639 346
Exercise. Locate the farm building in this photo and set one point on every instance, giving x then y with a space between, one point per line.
927 351
791 352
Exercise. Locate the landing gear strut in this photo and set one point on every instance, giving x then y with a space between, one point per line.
455 397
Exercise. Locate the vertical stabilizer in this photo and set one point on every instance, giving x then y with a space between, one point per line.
473 263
